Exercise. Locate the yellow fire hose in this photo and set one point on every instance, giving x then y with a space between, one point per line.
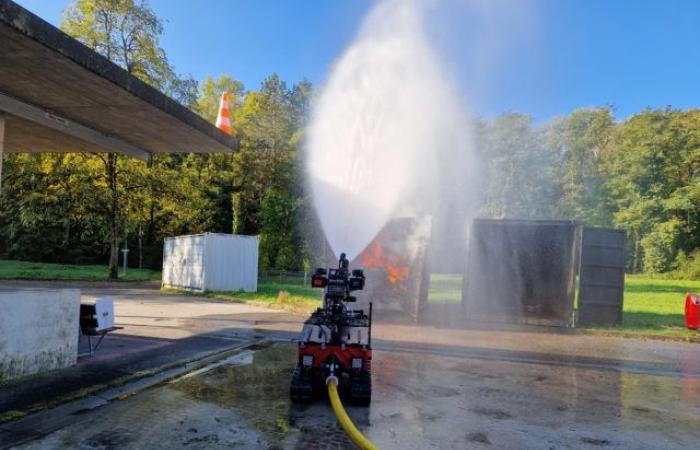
353 433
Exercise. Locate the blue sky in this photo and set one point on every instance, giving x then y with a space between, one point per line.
541 57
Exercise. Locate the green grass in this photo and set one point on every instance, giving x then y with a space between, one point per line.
24 270
445 288
276 292
655 307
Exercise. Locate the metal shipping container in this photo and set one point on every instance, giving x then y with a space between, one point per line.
211 262
521 271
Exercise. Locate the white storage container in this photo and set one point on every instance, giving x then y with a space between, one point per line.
211 262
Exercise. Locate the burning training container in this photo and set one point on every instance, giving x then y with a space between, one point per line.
395 266
211 262
521 271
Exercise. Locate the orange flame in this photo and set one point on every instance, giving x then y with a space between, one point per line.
374 257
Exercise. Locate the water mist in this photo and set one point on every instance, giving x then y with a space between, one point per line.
388 137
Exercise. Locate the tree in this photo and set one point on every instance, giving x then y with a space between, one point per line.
265 119
279 229
210 95
651 168
127 33
584 135
520 171
269 124
57 206
300 101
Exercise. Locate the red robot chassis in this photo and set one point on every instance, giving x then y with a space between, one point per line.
335 340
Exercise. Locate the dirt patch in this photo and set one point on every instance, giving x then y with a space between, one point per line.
641 409
596 442
479 437
440 391
109 439
492 413
207 439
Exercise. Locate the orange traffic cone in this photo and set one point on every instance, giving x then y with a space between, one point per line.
223 119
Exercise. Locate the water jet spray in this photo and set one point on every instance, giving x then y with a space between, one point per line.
387 136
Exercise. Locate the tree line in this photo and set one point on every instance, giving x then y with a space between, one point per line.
640 174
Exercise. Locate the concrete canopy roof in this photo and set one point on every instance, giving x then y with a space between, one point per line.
57 95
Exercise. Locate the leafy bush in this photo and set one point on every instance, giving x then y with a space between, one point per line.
660 246
687 267
278 249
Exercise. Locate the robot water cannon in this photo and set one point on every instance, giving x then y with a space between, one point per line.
335 340
338 283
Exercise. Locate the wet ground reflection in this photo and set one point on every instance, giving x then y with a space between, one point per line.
421 400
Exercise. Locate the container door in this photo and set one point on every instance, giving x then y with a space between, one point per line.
182 266
520 271
602 276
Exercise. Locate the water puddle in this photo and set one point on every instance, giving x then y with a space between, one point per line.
254 384
240 359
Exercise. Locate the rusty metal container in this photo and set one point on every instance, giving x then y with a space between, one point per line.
395 265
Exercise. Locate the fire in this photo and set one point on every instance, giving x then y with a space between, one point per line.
374 257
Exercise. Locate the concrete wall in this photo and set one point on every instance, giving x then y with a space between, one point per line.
38 330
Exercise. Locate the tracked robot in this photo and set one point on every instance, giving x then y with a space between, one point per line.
336 340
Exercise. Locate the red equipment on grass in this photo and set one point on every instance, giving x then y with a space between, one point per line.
335 340
692 311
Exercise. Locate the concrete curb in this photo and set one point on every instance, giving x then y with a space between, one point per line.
690 339
60 413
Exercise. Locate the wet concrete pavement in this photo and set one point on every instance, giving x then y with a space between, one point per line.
434 387
420 400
